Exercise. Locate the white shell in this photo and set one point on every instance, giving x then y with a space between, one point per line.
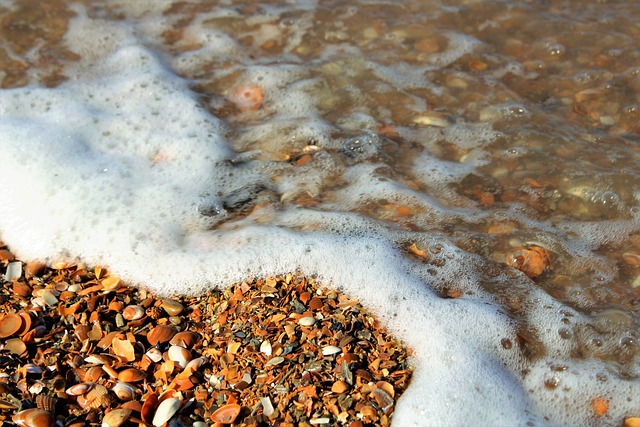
307 321
194 364
154 354
14 271
124 391
331 349
265 347
165 411
179 355
267 407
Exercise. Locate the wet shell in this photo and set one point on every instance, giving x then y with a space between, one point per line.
131 375
226 414
186 339
116 417
124 391
34 418
532 260
10 324
133 312
165 411
160 334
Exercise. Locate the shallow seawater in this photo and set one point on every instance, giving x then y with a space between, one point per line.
405 152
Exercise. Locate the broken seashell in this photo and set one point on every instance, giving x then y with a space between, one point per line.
166 409
307 321
265 348
339 387
93 374
13 272
133 312
267 406
116 418
124 349
226 414
330 349
154 354
16 346
34 417
111 283
387 387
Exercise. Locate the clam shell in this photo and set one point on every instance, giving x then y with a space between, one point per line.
149 407
93 374
26 323
226 414
78 389
124 391
166 409
131 375
16 346
10 324
34 418
160 334
133 312
186 339
116 417
179 355
96 397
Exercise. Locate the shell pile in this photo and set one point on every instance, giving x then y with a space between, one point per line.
80 348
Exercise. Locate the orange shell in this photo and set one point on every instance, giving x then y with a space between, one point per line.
532 260
226 414
247 98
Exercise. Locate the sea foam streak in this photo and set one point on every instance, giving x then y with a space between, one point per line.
121 166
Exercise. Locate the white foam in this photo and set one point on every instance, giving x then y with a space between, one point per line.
120 166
